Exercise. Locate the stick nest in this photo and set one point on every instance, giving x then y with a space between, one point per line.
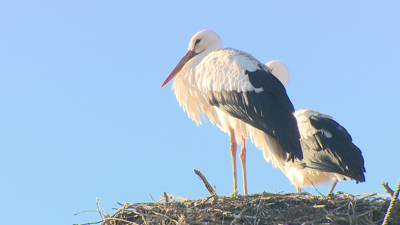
263 208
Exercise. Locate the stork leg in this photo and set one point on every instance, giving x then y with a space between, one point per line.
298 189
233 150
333 186
242 156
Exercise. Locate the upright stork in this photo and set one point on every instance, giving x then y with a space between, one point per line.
329 153
238 94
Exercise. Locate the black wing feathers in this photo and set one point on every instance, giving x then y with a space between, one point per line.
269 110
332 154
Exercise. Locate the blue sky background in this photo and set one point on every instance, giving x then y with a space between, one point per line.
83 116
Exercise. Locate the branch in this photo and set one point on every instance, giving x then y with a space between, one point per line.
394 197
203 178
166 199
387 188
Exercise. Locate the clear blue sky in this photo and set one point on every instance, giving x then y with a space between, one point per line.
83 116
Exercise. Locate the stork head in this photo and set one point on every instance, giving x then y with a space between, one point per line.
280 71
202 43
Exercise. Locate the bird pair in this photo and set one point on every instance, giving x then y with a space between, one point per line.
248 100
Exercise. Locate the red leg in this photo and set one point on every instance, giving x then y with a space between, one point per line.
242 157
233 150
333 186
298 190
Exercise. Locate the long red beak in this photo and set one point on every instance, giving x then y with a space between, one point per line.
189 54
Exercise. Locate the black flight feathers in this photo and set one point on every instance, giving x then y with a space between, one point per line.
269 110
332 154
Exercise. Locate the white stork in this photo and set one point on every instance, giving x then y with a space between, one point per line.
240 95
329 153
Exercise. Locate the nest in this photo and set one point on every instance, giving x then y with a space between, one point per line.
262 208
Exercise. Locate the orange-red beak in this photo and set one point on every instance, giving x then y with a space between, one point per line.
189 54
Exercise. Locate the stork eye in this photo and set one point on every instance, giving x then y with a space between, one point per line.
197 41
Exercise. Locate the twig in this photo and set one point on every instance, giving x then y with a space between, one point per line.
166 199
354 212
157 213
395 195
202 202
314 187
98 209
208 186
366 195
225 213
317 221
257 219
118 219
338 208
152 198
348 213
159 200
85 212
366 213
387 188
203 178
122 209
346 194
371 194
142 215
89 223
177 197
241 215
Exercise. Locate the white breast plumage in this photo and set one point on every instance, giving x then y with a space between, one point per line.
238 94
